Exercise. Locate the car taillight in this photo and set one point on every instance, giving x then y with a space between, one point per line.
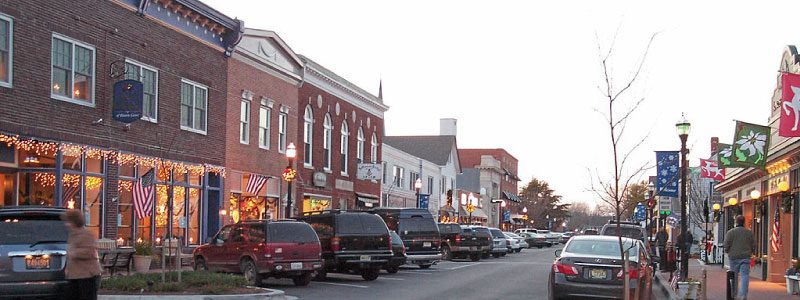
565 269
458 239
390 242
335 243
632 273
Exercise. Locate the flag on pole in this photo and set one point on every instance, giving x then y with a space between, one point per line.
255 184
143 195
750 145
776 230
710 169
790 105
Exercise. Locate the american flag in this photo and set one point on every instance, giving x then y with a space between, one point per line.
69 192
255 184
776 230
143 195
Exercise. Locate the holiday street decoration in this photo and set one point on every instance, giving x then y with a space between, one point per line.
750 145
710 169
289 174
667 173
790 105
725 155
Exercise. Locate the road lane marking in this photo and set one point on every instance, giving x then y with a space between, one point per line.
345 284
412 272
389 278
464 266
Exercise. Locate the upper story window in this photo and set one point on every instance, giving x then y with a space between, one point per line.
244 122
6 50
360 146
399 176
430 185
264 121
412 176
72 68
308 132
373 150
283 117
149 78
326 142
384 166
194 106
344 145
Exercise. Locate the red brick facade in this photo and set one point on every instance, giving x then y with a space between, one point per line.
471 158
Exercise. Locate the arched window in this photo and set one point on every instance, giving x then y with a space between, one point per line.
344 146
326 142
360 146
373 151
308 135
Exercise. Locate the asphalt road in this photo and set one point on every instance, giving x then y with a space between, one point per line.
515 276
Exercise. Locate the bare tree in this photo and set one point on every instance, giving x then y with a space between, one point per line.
619 109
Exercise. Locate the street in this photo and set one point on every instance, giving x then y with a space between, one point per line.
515 276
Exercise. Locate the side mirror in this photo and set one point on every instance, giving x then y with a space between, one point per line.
558 252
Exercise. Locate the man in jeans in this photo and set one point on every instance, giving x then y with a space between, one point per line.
739 247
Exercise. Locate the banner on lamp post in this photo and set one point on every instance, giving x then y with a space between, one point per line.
667 169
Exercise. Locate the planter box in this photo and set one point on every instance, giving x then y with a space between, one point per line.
688 290
141 263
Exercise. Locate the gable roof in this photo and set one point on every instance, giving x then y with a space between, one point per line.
340 79
433 148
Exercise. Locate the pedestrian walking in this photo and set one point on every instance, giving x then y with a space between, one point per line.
83 268
739 247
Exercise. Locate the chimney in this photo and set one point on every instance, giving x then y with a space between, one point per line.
447 126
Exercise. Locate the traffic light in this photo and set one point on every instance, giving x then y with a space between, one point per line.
449 197
664 214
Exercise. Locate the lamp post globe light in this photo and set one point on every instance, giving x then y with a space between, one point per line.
417 187
683 128
288 175
502 213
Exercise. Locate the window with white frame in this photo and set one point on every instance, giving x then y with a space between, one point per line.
244 122
430 185
283 117
6 50
412 176
373 150
194 106
344 145
149 78
398 176
443 185
384 167
308 132
72 68
264 121
326 142
360 146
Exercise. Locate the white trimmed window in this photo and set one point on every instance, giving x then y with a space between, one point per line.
149 78
283 117
308 132
244 122
413 176
344 145
430 185
360 146
326 142
72 69
373 150
194 106
264 121
399 176
6 50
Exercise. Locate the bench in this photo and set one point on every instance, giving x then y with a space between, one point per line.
171 246
112 260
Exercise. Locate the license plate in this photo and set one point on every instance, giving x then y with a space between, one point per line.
426 244
297 266
37 262
597 274
366 258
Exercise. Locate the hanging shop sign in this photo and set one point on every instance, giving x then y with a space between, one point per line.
127 101
369 172
320 179
774 183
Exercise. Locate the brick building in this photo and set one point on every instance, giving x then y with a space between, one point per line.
495 171
263 80
61 147
339 126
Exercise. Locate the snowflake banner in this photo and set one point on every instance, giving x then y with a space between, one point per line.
709 169
667 167
790 105
750 145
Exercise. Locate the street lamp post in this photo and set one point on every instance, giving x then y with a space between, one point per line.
418 186
683 128
502 213
288 175
648 210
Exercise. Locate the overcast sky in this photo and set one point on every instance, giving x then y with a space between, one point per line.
524 75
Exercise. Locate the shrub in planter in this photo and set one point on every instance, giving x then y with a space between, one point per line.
201 282
142 257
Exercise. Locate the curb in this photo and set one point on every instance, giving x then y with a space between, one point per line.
663 284
267 294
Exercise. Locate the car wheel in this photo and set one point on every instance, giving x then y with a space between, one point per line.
250 272
496 255
200 264
446 254
549 245
475 257
393 269
320 274
425 266
302 280
370 274
485 255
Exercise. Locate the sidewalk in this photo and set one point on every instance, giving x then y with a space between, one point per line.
716 284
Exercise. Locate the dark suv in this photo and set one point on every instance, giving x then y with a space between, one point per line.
628 229
459 241
418 230
261 249
33 248
351 241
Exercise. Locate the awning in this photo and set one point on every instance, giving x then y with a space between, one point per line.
511 196
478 213
368 200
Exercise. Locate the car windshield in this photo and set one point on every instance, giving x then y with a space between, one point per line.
360 224
543 231
418 224
291 233
595 247
511 235
628 232
30 230
497 233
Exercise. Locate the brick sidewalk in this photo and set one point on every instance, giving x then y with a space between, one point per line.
716 284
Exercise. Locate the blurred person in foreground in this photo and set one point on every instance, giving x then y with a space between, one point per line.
83 267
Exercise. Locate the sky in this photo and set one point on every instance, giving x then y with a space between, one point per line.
526 76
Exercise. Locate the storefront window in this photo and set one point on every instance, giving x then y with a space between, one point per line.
94 165
7 189
71 161
94 203
37 188
32 160
126 171
161 212
315 204
194 216
71 191
195 179
125 211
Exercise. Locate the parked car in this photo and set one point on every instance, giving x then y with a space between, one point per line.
351 242
626 229
535 239
590 267
589 232
485 239
261 249
417 228
399 254
565 236
499 244
520 240
552 237
524 230
514 242
460 241
33 248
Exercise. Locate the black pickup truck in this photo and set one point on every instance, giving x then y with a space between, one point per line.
462 241
417 228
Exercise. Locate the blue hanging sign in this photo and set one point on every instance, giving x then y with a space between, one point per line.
506 216
127 101
639 212
667 178
423 201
